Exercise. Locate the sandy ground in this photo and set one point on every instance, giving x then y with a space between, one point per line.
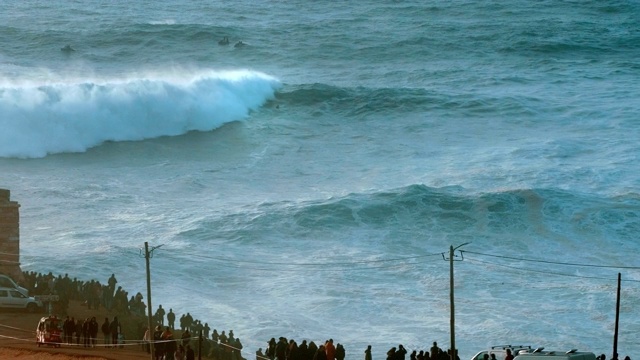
17 340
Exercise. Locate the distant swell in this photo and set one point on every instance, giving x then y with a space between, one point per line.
544 216
362 101
40 119
353 101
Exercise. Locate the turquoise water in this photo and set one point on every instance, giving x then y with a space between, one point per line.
306 184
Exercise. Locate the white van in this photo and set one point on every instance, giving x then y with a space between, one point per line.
539 354
11 298
7 282
500 351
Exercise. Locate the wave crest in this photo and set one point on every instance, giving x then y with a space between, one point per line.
42 119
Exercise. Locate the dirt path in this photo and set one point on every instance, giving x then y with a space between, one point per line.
17 339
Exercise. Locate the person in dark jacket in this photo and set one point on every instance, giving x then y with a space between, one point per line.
303 350
114 329
78 331
93 331
391 354
401 352
367 353
292 350
86 334
281 349
320 354
237 349
271 349
340 353
106 331
311 350
68 327
171 319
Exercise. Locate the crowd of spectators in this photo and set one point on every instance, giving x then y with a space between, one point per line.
166 345
94 294
284 349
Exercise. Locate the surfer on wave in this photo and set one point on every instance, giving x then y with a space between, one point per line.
224 41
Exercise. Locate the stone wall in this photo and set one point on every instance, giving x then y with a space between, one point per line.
9 236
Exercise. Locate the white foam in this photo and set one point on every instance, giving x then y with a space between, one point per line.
41 118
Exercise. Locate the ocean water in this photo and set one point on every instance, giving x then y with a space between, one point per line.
310 184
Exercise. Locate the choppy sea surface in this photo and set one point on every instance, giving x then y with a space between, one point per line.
308 183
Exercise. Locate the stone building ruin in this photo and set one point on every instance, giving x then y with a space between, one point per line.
9 236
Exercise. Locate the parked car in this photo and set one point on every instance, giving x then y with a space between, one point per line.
11 298
500 351
48 331
8 282
539 354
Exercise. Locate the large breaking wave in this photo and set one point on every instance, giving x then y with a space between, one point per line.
46 118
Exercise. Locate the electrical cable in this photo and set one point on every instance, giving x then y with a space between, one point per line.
350 263
553 262
548 272
326 267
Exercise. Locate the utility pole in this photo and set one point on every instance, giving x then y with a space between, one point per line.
451 299
147 255
615 333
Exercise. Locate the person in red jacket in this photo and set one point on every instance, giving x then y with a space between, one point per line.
330 350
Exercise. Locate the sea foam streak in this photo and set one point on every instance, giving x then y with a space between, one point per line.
41 119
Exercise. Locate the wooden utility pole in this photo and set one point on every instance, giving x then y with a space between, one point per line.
147 255
615 333
149 310
452 325
451 300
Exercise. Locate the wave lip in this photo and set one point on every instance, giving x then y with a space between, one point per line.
42 119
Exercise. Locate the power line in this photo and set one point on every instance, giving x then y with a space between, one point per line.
554 262
546 272
321 267
347 263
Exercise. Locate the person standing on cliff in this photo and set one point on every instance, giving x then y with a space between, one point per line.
367 353
171 319
330 350
160 315
112 283
340 352
281 349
